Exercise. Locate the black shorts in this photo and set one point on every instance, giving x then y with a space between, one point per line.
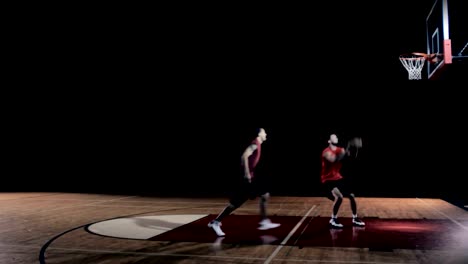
342 185
246 190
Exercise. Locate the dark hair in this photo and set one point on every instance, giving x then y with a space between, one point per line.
248 134
253 133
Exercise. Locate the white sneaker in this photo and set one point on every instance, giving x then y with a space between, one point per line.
358 222
266 224
335 224
216 225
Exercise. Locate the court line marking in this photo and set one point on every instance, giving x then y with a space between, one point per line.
50 241
278 248
442 213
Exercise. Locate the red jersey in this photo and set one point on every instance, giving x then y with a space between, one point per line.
331 170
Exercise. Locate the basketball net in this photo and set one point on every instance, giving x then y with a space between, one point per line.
413 63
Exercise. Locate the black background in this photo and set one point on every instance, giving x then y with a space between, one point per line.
180 144
161 104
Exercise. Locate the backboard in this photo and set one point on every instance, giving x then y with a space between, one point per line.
447 35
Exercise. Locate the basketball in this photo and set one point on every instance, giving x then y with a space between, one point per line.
356 142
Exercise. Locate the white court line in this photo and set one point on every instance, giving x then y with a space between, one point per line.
278 248
450 218
210 256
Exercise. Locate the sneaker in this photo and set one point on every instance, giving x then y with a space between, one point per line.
335 224
216 226
266 224
358 222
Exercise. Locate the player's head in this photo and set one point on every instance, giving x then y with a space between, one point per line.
333 139
261 133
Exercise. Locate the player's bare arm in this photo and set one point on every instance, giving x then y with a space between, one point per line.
245 160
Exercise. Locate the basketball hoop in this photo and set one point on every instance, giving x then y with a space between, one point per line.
413 63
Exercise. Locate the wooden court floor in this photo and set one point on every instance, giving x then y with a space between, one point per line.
102 228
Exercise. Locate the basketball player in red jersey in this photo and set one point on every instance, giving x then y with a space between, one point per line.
333 181
250 188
